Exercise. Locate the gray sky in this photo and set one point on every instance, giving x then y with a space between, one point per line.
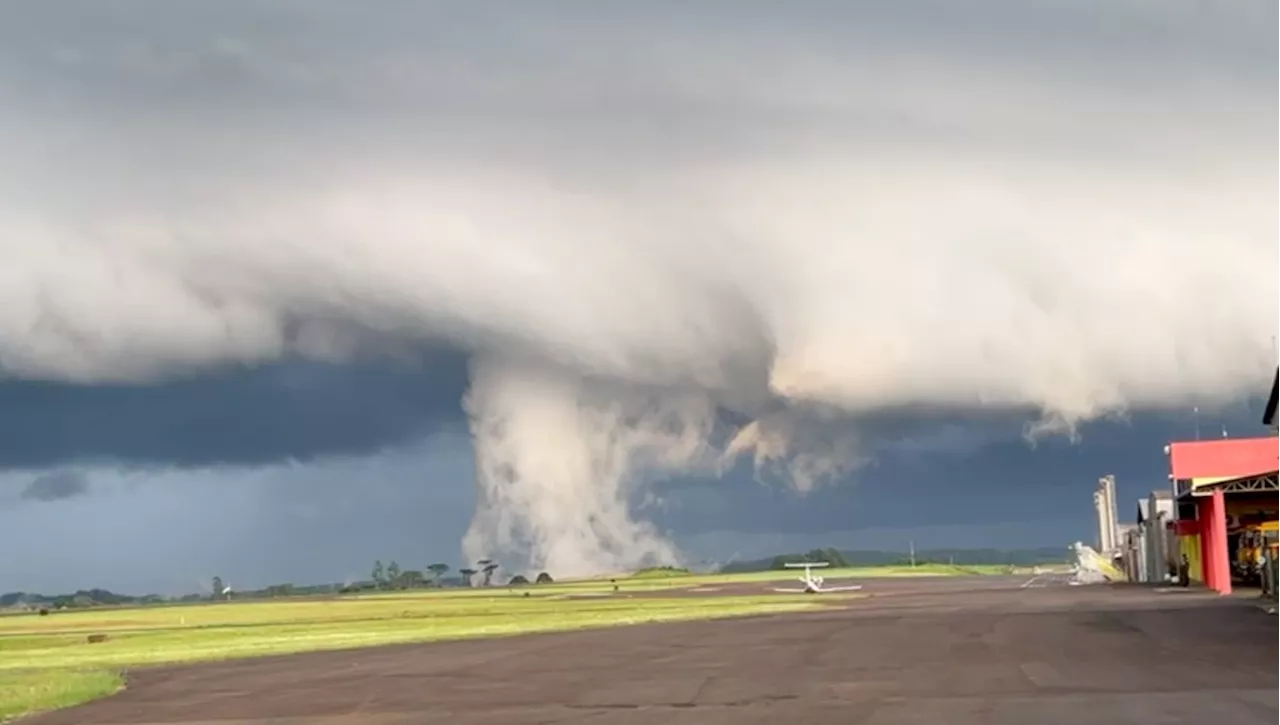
288 287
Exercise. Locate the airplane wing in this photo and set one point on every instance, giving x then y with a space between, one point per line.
790 591
852 588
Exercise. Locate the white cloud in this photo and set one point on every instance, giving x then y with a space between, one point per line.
882 217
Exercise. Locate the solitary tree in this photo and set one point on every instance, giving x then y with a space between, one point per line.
488 569
217 587
393 574
379 574
544 578
466 575
438 570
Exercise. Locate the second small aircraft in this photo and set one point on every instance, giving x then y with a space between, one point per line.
813 584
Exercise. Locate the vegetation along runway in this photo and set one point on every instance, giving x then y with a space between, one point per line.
973 649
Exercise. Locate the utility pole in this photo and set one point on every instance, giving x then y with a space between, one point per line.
912 545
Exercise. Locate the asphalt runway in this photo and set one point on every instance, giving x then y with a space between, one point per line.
995 650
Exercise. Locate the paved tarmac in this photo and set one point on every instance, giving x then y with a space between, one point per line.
957 651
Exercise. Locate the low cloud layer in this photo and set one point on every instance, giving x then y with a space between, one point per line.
761 234
55 486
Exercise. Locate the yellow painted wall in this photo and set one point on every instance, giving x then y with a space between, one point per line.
1189 546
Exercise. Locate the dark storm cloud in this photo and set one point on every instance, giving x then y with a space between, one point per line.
913 198
326 520
244 416
56 486
329 521
1004 479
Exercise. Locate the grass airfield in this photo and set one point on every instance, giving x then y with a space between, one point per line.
47 662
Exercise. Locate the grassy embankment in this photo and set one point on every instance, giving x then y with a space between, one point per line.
47 662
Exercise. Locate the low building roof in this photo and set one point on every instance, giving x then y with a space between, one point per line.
1222 459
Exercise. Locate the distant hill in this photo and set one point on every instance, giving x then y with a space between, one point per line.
865 557
84 598
31 601
80 598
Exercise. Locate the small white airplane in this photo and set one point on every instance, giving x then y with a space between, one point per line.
813 584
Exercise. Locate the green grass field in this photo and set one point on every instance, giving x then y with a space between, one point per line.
857 572
47 662
662 578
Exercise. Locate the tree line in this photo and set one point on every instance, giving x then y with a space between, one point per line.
391 576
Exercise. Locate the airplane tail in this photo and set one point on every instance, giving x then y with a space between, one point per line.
1092 567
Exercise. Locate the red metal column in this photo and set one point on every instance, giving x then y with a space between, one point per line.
1213 533
1204 514
1218 530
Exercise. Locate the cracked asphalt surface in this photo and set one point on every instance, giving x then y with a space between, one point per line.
956 651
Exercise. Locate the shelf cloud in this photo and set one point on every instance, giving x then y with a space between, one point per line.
667 239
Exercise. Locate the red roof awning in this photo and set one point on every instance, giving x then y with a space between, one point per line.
1223 458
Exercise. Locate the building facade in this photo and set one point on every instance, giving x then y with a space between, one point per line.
1104 504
